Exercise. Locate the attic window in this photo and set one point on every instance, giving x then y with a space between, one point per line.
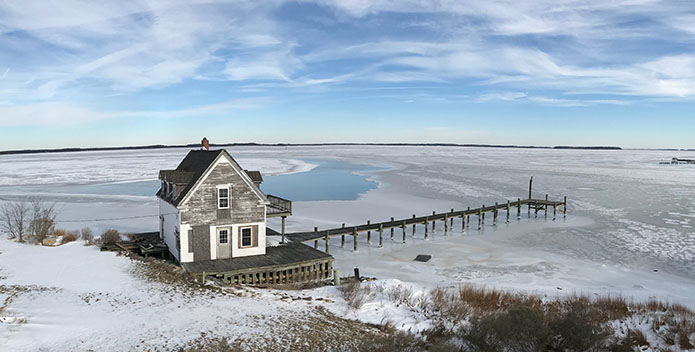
223 197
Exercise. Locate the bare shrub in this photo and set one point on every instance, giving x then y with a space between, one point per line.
354 293
400 295
392 342
110 237
444 305
87 236
15 219
71 236
519 329
576 329
43 216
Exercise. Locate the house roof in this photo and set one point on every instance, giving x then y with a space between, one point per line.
255 176
193 167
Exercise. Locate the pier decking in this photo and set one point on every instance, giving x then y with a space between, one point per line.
447 218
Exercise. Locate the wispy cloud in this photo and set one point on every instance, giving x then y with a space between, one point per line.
66 54
61 113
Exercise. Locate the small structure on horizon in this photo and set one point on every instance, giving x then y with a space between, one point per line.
678 161
213 221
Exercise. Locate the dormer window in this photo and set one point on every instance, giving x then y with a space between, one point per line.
222 197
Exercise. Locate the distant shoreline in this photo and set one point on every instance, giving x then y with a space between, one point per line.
165 146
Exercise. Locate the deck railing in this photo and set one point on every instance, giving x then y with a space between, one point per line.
278 206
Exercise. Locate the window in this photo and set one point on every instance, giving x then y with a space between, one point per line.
223 197
246 236
224 236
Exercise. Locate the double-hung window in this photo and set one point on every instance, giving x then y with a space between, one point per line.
246 236
223 197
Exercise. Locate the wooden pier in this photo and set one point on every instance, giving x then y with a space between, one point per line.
508 209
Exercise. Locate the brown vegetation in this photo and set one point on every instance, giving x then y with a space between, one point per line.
354 293
110 237
87 236
71 236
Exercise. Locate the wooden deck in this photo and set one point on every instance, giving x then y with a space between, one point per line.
292 262
278 207
537 205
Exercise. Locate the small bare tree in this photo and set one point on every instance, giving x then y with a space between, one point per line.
87 236
14 218
43 216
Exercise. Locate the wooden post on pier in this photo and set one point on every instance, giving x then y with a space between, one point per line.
354 238
316 242
403 228
564 208
518 209
508 210
482 211
554 211
414 226
426 225
546 206
326 239
480 218
433 222
463 222
342 238
535 206
369 234
446 224
494 215
381 235
392 229
468 217
452 220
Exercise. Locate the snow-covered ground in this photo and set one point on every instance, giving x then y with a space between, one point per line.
629 230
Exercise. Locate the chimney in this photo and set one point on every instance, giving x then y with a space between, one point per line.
205 143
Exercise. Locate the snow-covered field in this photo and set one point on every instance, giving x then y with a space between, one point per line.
630 230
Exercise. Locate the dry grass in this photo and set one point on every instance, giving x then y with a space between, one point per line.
483 300
318 330
575 322
355 293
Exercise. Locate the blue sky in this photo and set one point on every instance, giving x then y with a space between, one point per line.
100 73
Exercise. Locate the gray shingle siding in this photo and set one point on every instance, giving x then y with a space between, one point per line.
201 207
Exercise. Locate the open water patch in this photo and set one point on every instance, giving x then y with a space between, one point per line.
330 180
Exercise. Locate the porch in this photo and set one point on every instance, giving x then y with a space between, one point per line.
292 262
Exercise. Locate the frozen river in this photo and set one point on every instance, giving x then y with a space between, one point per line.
630 227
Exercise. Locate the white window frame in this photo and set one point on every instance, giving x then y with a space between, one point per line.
229 196
241 235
